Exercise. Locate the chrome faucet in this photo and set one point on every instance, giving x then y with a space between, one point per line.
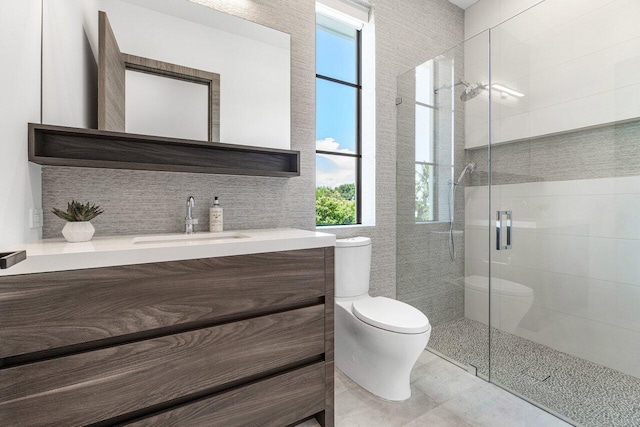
190 221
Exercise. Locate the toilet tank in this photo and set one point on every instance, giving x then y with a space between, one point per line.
352 266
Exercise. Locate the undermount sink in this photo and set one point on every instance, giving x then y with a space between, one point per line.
196 237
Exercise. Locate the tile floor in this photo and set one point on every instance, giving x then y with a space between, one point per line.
591 394
443 394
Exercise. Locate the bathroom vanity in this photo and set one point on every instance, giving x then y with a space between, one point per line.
228 329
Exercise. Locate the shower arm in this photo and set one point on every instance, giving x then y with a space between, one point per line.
461 82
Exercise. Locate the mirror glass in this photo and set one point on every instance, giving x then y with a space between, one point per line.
252 61
157 105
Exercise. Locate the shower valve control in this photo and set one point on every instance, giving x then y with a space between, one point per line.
503 226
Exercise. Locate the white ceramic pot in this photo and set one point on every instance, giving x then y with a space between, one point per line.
81 231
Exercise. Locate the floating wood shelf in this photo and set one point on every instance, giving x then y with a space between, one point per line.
91 148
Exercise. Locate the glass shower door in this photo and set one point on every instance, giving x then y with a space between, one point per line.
565 207
442 198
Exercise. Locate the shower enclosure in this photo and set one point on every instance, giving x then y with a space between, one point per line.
518 182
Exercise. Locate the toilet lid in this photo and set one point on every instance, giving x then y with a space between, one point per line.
391 315
353 242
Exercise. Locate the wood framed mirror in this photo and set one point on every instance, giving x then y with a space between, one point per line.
112 76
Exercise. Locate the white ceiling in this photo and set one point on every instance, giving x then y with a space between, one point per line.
463 4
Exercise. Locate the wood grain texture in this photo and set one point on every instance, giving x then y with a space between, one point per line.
167 69
40 312
214 110
327 418
277 401
99 385
63 146
111 78
192 75
329 293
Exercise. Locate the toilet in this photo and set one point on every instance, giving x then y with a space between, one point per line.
377 339
510 302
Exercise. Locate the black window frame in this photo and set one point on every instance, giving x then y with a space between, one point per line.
358 152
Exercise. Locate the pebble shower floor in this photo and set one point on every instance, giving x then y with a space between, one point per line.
585 392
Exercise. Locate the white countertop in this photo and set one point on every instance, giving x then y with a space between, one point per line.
58 255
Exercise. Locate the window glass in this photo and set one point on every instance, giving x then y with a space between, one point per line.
335 189
336 50
336 116
424 83
338 157
434 140
424 192
424 134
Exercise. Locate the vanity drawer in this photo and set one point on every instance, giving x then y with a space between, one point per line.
48 312
98 385
277 401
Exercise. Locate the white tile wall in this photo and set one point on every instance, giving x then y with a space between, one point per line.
488 13
576 244
577 62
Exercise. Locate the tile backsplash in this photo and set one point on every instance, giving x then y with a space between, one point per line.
139 202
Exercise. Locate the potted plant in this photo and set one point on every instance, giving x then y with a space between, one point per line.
78 216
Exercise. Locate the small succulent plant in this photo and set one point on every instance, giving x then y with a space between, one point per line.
77 212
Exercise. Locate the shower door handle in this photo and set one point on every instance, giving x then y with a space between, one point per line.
500 225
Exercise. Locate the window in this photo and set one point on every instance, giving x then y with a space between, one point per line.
433 134
338 123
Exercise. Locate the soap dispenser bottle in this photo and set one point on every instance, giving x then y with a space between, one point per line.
215 216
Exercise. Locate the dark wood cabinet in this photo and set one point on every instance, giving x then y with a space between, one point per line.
242 340
266 402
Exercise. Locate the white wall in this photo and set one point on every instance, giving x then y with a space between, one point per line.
576 244
20 187
255 76
369 123
577 62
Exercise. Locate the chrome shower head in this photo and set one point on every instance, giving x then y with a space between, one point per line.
470 167
471 91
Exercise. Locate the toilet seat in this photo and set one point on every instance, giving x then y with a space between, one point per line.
391 315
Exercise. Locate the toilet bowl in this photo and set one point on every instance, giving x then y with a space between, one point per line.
377 340
510 301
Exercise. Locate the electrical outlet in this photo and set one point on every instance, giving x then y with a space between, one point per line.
36 218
